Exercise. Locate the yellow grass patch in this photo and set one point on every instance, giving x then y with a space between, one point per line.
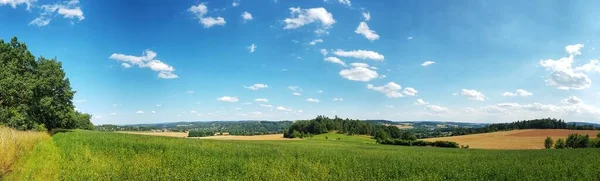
15 144
516 139
169 134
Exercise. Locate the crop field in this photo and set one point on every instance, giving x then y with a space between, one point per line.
516 139
89 155
255 137
168 134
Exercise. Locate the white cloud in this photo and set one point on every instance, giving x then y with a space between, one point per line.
158 105
572 100
147 60
126 65
257 86
295 88
15 3
359 74
409 38
228 99
247 16
189 92
391 89
323 52
281 108
139 112
300 17
591 66
235 3
113 113
296 94
360 54
266 105
261 100
300 111
314 42
364 30
338 99
420 102
508 94
335 60
153 112
257 113
562 74
68 9
472 94
252 48
247 103
313 100
356 64
519 92
409 91
426 63
200 10
437 109
346 2
320 91
367 16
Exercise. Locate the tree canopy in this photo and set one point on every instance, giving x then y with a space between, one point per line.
34 93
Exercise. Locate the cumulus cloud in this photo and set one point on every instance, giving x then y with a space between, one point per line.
572 100
66 9
228 99
257 86
472 94
296 94
313 100
235 3
314 42
360 54
420 102
391 89
591 66
200 11
251 48
15 3
409 91
346 2
359 73
363 29
246 16
139 112
519 92
562 75
426 63
324 52
147 60
281 108
338 99
295 88
300 17
437 109
335 60
261 100
367 16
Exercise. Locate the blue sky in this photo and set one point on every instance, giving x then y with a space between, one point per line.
148 61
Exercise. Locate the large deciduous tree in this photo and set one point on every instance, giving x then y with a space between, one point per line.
35 93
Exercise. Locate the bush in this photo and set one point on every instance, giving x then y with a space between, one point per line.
560 144
548 143
576 140
200 133
402 142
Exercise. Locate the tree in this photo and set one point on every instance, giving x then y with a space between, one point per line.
560 144
35 93
548 143
598 135
381 135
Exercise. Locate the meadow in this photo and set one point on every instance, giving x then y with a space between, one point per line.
89 155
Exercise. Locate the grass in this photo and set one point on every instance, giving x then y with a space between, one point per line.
333 136
16 144
88 155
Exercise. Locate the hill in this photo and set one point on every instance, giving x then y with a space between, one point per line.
515 139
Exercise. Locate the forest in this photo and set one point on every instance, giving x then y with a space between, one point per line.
35 93
545 123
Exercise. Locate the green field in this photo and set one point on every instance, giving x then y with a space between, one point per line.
88 155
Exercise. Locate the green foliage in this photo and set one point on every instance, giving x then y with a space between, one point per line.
403 142
598 135
34 92
548 143
200 133
546 123
576 140
89 155
322 124
560 144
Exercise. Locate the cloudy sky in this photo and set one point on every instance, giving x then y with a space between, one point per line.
148 61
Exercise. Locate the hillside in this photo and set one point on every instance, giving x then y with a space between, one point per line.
89 155
516 139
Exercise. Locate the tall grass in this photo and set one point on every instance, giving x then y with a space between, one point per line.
90 155
16 144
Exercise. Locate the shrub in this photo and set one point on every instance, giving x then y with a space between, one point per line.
560 144
548 143
576 140
445 144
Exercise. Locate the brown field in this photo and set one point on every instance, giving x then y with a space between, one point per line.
257 137
517 139
169 134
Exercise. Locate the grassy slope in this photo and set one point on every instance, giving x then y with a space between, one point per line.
89 155
17 144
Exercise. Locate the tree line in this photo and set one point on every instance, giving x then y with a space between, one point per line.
35 94
323 124
574 140
545 123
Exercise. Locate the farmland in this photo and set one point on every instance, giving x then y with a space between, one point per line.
89 155
516 139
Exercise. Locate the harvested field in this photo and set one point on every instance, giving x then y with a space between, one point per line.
169 134
517 139
257 137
